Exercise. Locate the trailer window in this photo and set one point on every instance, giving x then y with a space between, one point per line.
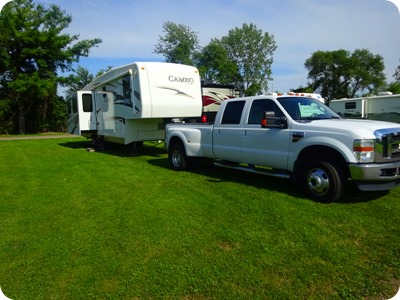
233 112
74 104
87 102
104 92
69 107
350 105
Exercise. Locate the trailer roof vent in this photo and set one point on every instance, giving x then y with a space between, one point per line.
385 93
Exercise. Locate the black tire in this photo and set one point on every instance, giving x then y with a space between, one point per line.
322 181
177 157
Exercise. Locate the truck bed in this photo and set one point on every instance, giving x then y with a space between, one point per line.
198 135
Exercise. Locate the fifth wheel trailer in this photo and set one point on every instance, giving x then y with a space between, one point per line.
133 103
383 107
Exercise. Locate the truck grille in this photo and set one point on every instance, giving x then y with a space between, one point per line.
387 145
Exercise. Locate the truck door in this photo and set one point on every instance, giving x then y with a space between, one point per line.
265 146
227 134
87 111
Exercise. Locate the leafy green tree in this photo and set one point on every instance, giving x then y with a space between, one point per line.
242 58
394 87
214 64
102 71
252 52
179 44
302 89
341 74
32 50
78 81
396 74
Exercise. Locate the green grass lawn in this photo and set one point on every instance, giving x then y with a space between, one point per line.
109 225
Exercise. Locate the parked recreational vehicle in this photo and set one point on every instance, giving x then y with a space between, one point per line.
384 107
213 95
132 103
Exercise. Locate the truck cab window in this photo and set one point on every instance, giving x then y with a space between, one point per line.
260 106
233 112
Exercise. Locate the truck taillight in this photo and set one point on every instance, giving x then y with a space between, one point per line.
203 119
364 150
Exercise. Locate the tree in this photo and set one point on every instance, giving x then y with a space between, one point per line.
242 58
32 50
394 87
179 44
214 64
78 81
396 74
81 78
303 89
251 50
341 74
102 71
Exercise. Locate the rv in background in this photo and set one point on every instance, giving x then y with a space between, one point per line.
213 95
133 103
384 107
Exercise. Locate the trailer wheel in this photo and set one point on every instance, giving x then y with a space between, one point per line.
177 157
322 181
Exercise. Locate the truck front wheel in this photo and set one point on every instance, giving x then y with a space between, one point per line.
322 181
177 157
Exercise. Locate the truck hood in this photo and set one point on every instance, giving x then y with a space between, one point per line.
361 128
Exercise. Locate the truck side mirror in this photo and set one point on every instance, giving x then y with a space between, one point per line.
269 120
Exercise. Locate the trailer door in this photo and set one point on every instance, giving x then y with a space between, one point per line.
87 111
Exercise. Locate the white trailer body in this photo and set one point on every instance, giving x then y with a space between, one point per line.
381 107
132 103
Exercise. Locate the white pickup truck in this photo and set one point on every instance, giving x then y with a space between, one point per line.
293 137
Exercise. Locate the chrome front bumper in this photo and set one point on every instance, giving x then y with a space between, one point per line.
376 177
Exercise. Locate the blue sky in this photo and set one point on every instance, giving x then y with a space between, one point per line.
130 29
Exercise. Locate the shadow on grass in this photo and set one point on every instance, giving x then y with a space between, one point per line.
354 195
217 175
76 144
147 149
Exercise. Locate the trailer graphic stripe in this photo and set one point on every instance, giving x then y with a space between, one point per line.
175 90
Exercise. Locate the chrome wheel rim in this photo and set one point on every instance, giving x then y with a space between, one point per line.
318 182
176 159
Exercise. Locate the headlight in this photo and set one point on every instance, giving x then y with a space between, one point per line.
364 150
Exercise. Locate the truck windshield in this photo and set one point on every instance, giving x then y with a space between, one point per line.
304 109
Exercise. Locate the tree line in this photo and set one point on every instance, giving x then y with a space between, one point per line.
244 58
34 51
